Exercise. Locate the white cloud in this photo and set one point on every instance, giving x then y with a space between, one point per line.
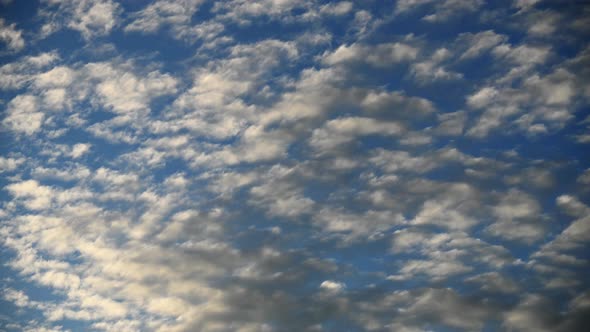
10 36
584 178
546 101
79 150
456 247
523 55
482 98
10 164
441 268
24 115
352 226
525 4
381 55
92 18
451 124
518 218
67 174
280 196
577 232
494 282
19 298
480 42
432 69
344 130
244 11
396 161
533 313
96 19
332 286
437 305
455 209
123 91
450 8
337 9
162 12
59 76
18 73
397 105
443 10
35 196
407 5
175 16
543 23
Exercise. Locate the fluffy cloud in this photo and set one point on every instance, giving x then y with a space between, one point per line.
24 116
177 18
91 18
518 218
10 36
443 10
36 196
345 130
381 55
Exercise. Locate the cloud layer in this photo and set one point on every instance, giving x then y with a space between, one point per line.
294 166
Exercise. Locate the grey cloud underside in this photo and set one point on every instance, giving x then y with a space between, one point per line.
315 180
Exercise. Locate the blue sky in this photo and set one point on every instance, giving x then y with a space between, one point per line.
281 165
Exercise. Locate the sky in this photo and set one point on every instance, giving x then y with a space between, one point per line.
283 165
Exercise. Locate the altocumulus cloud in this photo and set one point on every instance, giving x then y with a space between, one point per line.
314 165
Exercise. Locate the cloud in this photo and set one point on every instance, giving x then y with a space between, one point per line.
161 13
441 212
518 218
432 69
399 161
541 115
332 286
448 9
344 130
584 178
79 149
525 4
451 124
478 43
10 164
397 105
36 196
354 226
282 198
381 55
435 305
573 236
10 36
23 115
494 282
244 12
482 98
443 10
18 73
543 23
124 92
91 18
177 18
19 298
525 55
94 19
337 9
55 78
